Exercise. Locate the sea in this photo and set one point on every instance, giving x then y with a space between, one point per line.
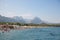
47 33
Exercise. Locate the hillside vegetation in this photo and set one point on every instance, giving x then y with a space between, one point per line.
30 24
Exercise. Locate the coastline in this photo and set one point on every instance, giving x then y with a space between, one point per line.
17 27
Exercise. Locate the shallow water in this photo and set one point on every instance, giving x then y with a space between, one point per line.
52 33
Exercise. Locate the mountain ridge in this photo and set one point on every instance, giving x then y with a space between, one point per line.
20 19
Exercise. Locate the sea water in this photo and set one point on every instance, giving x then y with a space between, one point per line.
48 33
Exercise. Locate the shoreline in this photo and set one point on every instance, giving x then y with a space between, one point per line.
17 27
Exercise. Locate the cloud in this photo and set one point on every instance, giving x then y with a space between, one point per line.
27 15
11 14
55 21
7 13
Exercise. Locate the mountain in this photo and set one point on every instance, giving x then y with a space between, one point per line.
36 20
6 19
14 19
19 19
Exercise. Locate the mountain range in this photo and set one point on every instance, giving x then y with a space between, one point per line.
20 19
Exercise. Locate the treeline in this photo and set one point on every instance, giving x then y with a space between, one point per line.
30 24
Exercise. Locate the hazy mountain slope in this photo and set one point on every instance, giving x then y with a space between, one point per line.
15 19
36 20
19 19
6 19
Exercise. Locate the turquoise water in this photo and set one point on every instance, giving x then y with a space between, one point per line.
52 33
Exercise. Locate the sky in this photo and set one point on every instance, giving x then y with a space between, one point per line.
46 10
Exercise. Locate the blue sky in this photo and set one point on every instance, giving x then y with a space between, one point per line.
46 10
